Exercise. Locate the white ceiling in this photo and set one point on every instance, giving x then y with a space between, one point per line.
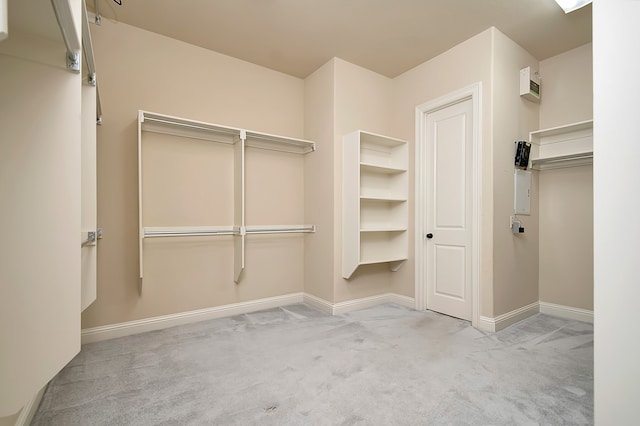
387 36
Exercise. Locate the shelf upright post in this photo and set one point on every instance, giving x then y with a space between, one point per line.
140 227
238 209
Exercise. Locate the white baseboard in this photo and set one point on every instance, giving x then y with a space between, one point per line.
505 320
363 303
96 334
498 323
357 304
399 299
112 331
320 304
567 312
29 410
486 324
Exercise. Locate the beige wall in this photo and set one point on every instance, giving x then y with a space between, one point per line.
566 236
340 97
567 87
319 116
148 71
515 261
362 102
179 79
143 70
365 100
505 117
566 195
461 66
10 420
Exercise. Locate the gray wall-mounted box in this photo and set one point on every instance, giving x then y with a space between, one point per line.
522 192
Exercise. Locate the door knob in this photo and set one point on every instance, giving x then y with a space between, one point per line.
429 235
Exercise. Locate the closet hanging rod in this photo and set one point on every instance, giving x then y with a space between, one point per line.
269 138
177 232
280 230
191 126
186 232
288 148
565 159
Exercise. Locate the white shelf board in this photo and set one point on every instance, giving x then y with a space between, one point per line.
539 136
398 258
279 143
380 169
386 199
384 229
367 138
169 125
166 124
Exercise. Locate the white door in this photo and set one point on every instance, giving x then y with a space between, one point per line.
448 222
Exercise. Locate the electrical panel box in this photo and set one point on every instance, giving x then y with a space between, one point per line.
530 84
522 192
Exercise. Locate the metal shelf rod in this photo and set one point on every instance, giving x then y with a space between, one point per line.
185 233
277 230
150 233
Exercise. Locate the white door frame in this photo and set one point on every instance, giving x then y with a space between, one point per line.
473 92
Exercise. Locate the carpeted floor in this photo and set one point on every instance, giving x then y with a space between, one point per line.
386 365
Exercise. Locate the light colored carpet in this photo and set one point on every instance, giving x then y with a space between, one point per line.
386 365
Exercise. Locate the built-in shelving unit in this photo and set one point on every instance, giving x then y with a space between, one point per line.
563 146
240 139
375 197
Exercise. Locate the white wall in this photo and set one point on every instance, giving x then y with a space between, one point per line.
616 201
